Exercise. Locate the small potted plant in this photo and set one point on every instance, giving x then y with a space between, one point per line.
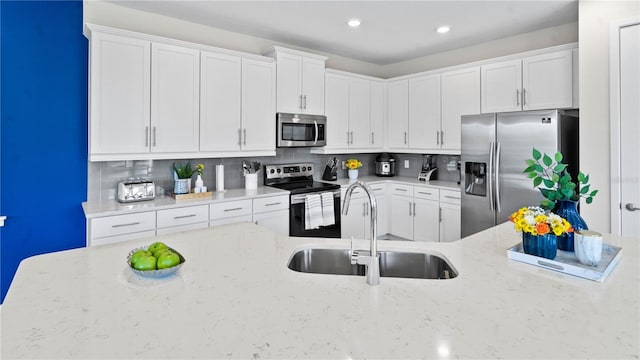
183 173
199 182
353 165
540 230
561 193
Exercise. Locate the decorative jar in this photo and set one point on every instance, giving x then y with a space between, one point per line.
199 182
182 186
353 174
568 210
545 246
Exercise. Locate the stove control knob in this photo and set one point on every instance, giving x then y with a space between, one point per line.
304 168
271 171
309 168
279 171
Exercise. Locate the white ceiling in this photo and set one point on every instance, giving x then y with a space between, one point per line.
391 31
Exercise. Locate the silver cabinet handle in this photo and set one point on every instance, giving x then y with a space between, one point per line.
524 96
517 97
424 193
315 123
239 137
441 137
437 137
305 102
452 197
364 212
439 214
301 102
414 209
123 225
184 216
146 136
400 189
244 131
405 137
347 137
155 132
631 207
410 214
372 139
233 209
273 204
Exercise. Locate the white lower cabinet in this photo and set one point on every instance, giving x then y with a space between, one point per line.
357 223
273 213
402 216
230 212
449 216
182 219
111 229
426 225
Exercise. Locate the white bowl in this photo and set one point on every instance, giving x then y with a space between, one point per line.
155 273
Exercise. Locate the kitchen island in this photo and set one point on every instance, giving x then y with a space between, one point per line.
235 298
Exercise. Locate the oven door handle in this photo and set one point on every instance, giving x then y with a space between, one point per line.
316 139
299 199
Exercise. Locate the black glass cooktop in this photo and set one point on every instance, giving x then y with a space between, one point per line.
303 187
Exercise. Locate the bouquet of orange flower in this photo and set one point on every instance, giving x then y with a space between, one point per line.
536 221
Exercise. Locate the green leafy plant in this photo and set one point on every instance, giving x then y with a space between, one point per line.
553 180
183 171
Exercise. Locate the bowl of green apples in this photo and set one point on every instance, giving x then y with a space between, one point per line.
155 261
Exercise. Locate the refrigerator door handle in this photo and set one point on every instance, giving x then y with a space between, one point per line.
498 177
490 176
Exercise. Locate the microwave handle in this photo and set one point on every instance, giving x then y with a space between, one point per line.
316 124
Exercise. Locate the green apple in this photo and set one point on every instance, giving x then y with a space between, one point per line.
138 254
144 263
167 260
156 246
161 252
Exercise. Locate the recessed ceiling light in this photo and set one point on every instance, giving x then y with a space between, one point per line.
443 29
354 23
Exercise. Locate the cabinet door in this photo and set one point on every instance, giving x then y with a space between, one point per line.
382 208
449 222
501 86
278 221
402 216
258 105
547 81
313 86
377 114
220 102
359 113
426 222
337 109
120 95
460 96
175 100
424 112
352 224
398 118
289 80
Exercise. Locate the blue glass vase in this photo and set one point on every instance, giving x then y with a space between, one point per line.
545 246
568 210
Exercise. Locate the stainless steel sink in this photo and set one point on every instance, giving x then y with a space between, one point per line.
392 264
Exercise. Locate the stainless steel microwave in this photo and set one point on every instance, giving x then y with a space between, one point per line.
299 130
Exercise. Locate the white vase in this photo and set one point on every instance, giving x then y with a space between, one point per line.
353 174
199 182
182 186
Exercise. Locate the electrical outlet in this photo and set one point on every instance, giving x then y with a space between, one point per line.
406 164
344 165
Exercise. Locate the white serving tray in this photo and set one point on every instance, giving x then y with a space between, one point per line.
566 262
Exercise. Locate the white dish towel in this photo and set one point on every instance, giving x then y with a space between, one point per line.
313 211
328 217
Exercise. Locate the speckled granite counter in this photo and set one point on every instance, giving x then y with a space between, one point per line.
113 207
236 298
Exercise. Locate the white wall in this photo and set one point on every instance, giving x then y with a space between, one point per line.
595 18
109 14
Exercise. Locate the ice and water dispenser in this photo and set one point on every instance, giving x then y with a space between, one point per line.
475 178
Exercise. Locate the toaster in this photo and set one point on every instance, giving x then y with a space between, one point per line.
136 190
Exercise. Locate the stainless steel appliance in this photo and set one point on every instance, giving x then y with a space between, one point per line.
298 180
385 165
428 168
298 130
136 190
494 150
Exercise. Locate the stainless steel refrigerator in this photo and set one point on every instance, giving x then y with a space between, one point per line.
494 150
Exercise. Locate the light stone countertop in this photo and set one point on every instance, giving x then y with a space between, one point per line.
444 185
113 207
235 298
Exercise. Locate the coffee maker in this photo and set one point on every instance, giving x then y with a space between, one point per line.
428 168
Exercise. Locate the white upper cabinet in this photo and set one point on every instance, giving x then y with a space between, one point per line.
120 91
300 81
175 89
258 110
398 114
532 83
220 102
460 96
424 112
354 108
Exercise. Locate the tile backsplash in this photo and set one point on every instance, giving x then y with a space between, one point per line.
103 177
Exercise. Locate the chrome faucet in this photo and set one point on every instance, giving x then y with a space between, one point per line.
372 261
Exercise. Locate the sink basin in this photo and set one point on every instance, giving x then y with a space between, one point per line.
392 264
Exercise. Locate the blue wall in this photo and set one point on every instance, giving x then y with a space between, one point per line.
43 136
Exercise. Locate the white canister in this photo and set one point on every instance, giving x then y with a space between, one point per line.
251 181
588 247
